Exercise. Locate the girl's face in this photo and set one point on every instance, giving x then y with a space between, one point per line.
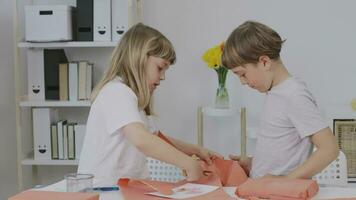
256 76
156 69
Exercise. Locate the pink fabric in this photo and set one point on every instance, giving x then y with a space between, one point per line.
278 188
45 195
133 190
222 173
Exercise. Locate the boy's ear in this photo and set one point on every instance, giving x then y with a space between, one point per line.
265 61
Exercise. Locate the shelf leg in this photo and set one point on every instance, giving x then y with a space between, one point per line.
243 131
200 126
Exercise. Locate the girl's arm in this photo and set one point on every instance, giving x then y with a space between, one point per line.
191 149
154 147
327 151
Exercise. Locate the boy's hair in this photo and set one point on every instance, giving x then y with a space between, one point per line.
248 42
129 59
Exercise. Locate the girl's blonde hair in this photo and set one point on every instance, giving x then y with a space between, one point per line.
129 59
248 42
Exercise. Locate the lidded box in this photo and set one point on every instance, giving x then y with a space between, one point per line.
47 23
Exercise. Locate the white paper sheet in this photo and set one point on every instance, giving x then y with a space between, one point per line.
187 190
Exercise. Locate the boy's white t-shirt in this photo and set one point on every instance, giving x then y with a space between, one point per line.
290 115
106 152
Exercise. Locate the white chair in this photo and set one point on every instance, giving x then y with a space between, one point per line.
161 171
335 174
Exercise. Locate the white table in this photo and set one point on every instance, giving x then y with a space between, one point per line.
324 192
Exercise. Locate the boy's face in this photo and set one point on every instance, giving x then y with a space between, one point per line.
156 69
256 76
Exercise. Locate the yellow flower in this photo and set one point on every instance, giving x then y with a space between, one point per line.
353 104
213 56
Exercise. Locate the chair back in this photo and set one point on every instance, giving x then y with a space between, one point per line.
334 174
161 171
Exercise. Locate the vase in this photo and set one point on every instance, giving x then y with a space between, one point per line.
222 97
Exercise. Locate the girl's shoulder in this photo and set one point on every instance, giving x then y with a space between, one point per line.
116 88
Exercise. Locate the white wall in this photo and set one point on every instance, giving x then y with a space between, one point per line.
8 169
320 48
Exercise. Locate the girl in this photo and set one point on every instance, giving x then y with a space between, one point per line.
117 138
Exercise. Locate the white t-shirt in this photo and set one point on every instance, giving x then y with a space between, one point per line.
290 115
106 152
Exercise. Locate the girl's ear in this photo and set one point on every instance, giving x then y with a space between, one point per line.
265 61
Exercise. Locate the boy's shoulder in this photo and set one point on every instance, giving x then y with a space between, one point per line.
291 86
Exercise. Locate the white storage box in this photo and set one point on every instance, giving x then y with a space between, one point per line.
46 23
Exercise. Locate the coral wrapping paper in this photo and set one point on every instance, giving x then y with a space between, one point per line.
278 188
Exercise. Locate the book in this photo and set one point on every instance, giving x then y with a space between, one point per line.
54 141
71 141
79 130
63 82
73 81
82 80
60 138
89 80
65 141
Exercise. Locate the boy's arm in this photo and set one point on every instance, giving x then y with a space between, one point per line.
327 151
154 147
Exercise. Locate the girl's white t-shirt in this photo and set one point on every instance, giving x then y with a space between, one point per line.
106 153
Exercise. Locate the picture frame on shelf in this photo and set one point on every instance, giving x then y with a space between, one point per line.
345 133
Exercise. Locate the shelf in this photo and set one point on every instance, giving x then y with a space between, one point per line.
65 44
220 112
55 104
31 161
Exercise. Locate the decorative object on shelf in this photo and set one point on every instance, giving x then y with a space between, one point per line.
353 104
213 59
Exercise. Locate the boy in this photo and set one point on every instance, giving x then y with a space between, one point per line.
291 122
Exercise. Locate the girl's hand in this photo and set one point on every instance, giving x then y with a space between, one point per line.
193 171
207 155
244 161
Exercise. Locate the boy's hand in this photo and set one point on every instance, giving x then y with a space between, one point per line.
207 155
244 161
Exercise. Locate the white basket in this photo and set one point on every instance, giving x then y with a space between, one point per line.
161 171
335 173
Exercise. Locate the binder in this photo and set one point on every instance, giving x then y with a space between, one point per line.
52 58
84 29
35 75
102 20
120 18
42 119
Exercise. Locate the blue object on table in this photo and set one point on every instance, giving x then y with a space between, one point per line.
111 188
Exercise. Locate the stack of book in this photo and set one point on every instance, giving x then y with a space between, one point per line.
75 81
66 140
